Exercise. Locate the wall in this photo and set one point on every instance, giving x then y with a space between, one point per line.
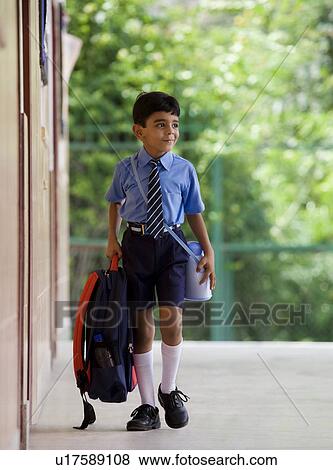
34 214
9 158
40 261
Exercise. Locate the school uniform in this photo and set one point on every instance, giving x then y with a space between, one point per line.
155 262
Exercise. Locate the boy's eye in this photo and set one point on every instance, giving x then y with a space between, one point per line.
174 125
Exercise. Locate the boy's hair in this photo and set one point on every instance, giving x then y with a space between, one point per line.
152 102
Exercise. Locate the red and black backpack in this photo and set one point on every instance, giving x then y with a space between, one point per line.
103 341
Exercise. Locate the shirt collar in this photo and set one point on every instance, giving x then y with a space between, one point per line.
144 158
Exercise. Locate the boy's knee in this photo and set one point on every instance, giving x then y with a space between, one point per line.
143 336
172 335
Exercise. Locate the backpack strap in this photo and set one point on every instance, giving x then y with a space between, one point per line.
82 369
89 416
114 263
78 358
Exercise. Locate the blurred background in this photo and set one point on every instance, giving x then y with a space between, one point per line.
254 80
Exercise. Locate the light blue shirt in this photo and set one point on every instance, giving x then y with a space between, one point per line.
179 185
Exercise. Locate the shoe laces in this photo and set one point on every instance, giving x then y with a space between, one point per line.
144 410
177 398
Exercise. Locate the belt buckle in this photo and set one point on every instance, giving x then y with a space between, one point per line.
142 229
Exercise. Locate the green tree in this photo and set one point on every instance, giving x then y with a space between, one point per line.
254 81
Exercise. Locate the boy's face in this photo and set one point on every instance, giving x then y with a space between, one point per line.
160 134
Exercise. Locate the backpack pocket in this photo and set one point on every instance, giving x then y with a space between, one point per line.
108 384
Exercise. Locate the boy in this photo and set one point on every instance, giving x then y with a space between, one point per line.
152 258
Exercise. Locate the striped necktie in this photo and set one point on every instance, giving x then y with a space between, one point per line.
154 224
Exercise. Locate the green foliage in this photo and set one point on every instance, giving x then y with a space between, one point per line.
254 80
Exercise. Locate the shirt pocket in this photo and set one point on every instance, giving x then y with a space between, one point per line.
130 186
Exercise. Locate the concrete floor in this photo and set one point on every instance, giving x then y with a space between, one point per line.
243 396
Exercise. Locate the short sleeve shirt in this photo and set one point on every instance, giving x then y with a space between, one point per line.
179 185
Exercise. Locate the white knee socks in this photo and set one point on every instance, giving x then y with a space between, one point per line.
170 362
144 371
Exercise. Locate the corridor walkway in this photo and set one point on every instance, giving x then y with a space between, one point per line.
243 396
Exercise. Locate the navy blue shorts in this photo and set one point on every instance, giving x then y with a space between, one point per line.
150 263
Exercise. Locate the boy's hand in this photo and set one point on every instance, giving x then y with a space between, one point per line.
113 248
207 262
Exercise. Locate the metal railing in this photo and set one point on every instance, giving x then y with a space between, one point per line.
88 254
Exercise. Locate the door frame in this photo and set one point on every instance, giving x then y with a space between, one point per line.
24 251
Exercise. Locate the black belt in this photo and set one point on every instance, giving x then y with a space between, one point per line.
141 228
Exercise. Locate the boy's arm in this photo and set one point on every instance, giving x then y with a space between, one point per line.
198 227
113 246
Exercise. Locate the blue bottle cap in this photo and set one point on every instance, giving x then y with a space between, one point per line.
195 247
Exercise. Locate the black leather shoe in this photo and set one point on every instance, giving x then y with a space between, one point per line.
176 415
145 417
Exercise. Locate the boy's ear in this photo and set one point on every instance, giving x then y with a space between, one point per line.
137 130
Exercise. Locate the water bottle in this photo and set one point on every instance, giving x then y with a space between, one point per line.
102 354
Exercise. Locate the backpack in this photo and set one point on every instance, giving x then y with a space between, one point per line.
103 341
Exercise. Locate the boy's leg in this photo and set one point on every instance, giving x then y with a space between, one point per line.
170 287
169 396
144 332
172 345
145 416
140 292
